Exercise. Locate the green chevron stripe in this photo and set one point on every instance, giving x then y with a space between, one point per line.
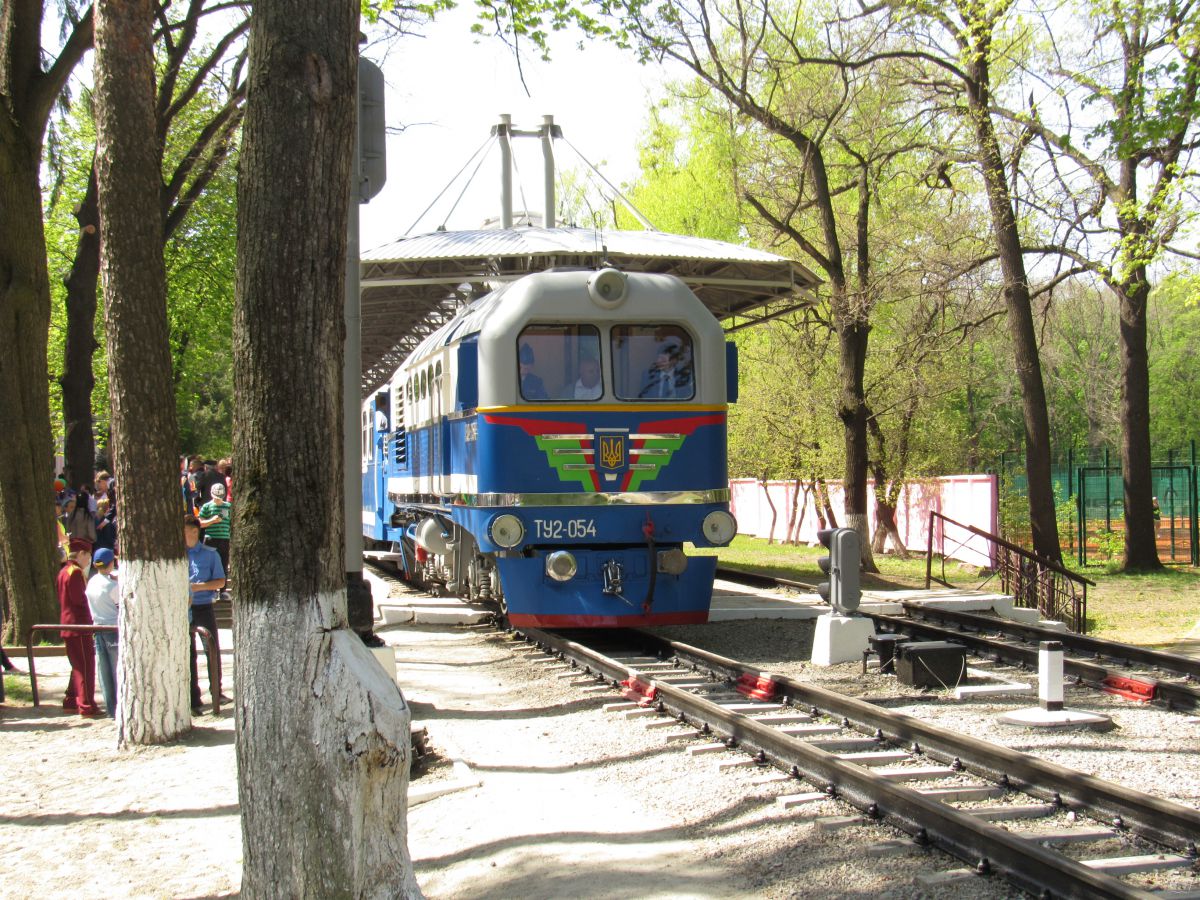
558 460
641 475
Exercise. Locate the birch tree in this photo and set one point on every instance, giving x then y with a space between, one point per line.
322 734
153 701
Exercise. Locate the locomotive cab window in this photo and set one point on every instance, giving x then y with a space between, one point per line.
653 362
560 362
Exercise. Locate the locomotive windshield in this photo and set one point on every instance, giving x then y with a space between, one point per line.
560 362
652 362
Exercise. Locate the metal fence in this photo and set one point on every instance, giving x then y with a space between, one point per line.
1033 582
1089 497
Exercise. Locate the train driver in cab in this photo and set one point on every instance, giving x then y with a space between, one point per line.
588 386
671 375
532 387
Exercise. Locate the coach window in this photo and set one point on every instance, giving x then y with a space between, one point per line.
653 362
560 362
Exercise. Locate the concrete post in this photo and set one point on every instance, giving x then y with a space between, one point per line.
1050 675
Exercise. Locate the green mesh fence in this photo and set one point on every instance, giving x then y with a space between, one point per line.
1089 499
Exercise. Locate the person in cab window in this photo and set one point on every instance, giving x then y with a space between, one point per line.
588 386
671 374
532 387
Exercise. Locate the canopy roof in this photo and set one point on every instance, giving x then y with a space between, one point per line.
412 286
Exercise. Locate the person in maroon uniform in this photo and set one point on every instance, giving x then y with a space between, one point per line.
72 599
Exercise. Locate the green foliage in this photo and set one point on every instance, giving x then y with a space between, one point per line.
1110 545
200 262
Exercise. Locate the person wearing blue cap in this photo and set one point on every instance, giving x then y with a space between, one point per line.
103 596
532 387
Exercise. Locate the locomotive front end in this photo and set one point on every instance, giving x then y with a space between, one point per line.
598 450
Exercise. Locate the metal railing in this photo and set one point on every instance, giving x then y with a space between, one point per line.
1031 580
212 659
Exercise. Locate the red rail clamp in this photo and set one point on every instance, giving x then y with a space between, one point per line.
1129 688
759 687
638 691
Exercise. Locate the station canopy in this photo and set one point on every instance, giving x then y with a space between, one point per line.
412 286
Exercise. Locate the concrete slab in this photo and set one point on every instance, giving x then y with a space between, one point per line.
955 794
1024 615
394 615
836 823
449 615
917 773
1036 717
892 848
969 692
789 801
701 749
1020 811
1129 865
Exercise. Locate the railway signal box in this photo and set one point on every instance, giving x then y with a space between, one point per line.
842 591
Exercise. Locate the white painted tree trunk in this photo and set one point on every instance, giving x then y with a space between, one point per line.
153 702
861 523
325 817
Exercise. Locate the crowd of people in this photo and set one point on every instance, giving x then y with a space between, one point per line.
88 580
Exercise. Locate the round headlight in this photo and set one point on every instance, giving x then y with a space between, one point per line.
719 527
506 530
561 566
607 288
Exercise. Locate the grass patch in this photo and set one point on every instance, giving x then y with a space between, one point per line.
16 687
800 564
1155 610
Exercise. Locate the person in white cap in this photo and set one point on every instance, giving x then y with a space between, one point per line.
103 596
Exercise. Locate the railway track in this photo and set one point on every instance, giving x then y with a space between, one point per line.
979 802
1168 679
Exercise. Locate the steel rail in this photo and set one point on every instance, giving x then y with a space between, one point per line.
1023 862
1080 643
1171 693
1158 820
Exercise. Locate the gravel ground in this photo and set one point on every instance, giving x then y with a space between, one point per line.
1149 749
574 801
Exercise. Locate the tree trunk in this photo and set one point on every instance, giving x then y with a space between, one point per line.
1141 547
322 734
825 515
27 531
852 410
77 380
1020 316
771 503
796 516
153 703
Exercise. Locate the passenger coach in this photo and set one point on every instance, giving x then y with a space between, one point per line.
554 447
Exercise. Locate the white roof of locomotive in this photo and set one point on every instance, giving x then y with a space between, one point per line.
563 296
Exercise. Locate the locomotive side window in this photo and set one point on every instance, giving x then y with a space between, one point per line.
653 362
560 362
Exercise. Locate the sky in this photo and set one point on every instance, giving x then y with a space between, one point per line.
446 89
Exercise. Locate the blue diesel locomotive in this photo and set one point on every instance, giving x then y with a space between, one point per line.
552 448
